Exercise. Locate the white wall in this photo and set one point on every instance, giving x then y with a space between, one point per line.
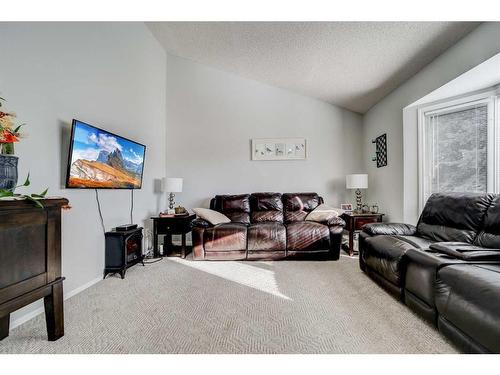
213 115
387 183
108 74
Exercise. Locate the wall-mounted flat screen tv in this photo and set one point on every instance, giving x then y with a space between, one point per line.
99 159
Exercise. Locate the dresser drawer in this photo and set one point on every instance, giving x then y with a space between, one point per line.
359 222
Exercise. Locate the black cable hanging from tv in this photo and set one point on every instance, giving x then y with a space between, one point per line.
100 212
132 221
131 206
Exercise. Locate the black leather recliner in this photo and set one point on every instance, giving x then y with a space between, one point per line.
447 268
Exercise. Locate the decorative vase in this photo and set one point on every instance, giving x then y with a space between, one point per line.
8 172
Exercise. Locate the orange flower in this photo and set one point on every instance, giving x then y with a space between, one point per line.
7 137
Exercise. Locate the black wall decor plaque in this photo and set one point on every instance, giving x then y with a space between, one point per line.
381 150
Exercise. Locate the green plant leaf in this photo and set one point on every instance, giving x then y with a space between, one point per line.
35 201
6 193
18 128
41 195
27 182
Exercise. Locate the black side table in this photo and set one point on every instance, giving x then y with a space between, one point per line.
168 226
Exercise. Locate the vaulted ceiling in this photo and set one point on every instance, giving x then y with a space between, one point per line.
350 64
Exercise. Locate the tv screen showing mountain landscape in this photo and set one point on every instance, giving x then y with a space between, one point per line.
99 159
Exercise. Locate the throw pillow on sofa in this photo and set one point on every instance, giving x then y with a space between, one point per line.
323 213
213 217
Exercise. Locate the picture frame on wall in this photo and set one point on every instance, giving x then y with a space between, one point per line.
279 149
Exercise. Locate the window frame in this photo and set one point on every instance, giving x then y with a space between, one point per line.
489 97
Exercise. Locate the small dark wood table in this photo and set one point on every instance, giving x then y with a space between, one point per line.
354 223
168 226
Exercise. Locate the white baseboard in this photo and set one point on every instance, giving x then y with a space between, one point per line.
23 319
82 288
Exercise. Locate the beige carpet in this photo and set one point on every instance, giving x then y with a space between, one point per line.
182 306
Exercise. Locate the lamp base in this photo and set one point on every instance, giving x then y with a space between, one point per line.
359 204
171 201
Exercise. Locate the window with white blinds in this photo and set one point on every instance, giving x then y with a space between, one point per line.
458 147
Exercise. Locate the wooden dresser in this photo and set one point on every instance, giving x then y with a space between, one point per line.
30 261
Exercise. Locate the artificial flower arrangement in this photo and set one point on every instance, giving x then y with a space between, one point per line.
9 134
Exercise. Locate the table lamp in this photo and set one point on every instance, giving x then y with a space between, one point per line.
358 182
173 185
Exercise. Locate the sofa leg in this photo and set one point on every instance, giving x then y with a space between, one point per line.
335 255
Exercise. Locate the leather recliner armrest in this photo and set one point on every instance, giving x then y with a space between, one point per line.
336 221
333 222
465 251
397 229
430 258
200 223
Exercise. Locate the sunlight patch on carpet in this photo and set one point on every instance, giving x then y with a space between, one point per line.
244 274
350 257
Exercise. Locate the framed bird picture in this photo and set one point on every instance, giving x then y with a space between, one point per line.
279 149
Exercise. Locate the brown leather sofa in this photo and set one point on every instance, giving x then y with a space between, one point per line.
266 226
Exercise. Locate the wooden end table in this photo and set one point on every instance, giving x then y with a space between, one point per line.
168 226
354 223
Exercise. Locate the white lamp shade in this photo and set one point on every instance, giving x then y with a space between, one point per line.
356 181
174 185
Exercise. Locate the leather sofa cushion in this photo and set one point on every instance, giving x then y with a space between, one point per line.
385 256
225 237
490 233
235 207
453 216
266 202
468 296
298 205
266 207
267 236
238 217
307 236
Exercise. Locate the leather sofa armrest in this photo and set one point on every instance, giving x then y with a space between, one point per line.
335 222
430 258
397 229
336 227
466 251
200 223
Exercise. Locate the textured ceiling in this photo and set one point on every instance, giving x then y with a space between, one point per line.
350 64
